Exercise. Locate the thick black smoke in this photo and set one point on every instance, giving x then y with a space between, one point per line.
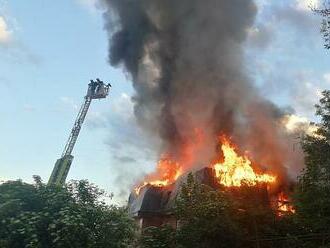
186 59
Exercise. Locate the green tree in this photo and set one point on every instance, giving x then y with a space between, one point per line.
313 191
158 237
324 12
205 217
231 217
72 216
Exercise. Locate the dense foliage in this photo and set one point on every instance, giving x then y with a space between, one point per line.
220 218
313 191
205 217
71 216
158 237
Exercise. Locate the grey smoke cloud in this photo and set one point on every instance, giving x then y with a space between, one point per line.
289 16
186 60
131 153
261 36
289 70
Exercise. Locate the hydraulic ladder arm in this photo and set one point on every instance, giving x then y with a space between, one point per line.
96 90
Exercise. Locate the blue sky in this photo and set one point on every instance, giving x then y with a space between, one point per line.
49 50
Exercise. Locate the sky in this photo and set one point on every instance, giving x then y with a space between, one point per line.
49 50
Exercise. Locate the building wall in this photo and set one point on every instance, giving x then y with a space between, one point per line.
156 221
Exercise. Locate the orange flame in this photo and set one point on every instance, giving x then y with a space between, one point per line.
169 171
284 206
234 170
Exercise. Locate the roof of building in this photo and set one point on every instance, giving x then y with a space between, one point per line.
153 200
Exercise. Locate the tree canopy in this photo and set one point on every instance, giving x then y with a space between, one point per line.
72 216
215 218
313 191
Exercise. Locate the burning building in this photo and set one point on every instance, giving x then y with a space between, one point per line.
187 64
151 203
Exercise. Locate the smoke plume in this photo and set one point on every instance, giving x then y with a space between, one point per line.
186 60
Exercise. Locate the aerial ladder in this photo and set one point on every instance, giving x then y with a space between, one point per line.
96 90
